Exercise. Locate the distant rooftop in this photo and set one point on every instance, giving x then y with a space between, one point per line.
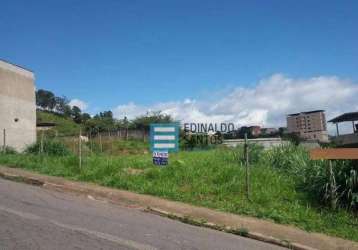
306 113
346 117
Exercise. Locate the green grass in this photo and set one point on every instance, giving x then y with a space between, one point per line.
213 178
115 147
64 126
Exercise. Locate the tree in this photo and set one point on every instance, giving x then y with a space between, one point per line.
85 117
67 112
45 99
61 104
245 130
106 114
143 122
103 121
76 114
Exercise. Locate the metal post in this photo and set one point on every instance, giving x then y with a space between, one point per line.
42 142
354 129
246 153
4 141
127 132
90 140
100 141
337 129
80 149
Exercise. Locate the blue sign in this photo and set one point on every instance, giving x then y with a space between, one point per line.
160 158
164 137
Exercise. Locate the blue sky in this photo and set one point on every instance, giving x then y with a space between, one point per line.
110 53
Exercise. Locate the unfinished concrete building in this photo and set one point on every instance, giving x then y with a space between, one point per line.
309 125
17 106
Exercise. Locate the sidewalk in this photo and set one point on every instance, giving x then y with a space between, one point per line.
257 229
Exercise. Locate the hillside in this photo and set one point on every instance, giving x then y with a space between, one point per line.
64 126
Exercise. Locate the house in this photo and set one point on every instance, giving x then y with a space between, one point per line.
310 125
255 130
17 106
251 131
350 139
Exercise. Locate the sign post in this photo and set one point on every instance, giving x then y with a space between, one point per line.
164 138
333 154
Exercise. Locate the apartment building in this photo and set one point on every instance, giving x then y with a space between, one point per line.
17 106
309 125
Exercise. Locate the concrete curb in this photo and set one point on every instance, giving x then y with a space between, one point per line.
199 216
24 179
237 231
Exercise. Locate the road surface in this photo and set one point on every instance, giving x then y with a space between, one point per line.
36 218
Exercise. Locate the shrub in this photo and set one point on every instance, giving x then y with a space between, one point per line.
49 147
8 150
313 177
255 153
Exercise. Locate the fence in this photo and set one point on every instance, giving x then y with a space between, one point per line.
103 141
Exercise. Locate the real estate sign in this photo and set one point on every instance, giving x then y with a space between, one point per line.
160 158
164 137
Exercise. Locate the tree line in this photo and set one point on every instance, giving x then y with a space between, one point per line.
103 121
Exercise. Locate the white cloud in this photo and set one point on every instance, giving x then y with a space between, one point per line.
265 104
79 103
129 110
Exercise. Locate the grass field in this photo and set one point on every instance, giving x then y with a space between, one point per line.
212 178
64 126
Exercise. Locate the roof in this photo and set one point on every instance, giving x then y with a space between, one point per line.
306 113
45 124
346 117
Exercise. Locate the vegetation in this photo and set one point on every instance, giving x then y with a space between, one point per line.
64 126
48 147
312 176
68 120
48 101
8 150
286 186
111 147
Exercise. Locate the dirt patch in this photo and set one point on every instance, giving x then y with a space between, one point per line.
133 171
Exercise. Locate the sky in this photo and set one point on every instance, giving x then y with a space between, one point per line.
247 62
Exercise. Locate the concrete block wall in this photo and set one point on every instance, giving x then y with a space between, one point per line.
17 106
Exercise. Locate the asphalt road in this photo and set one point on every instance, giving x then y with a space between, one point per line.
36 218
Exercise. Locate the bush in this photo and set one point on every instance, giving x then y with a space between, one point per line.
8 151
312 176
50 147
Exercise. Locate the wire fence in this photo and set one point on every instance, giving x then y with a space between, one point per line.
112 142
84 144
